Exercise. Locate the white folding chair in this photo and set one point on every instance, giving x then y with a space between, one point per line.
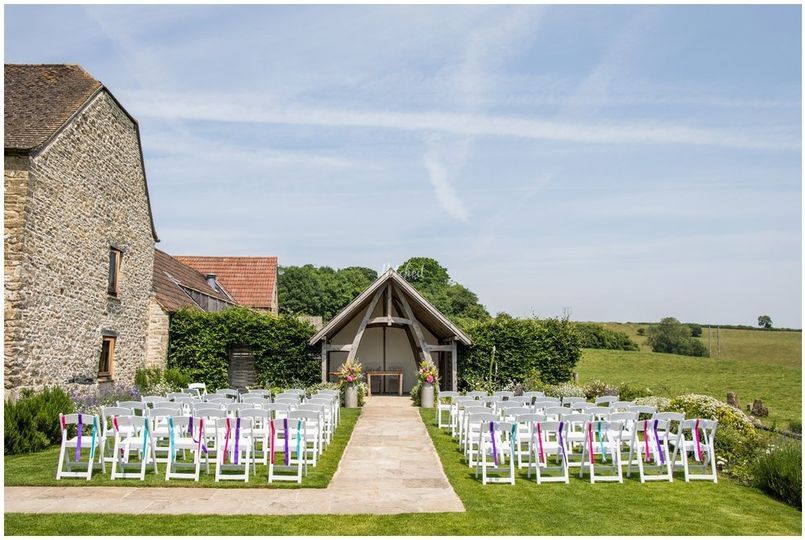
505 394
701 443
444 405
576 433
570 400
90 444
603 439
314 419
200 388
475 394
184 436
228 392
133 433
474 433
107 428
257 392
233 444
260 432
549 440
493 437
137 407
152 401
606 400
642 449
287 436
328 408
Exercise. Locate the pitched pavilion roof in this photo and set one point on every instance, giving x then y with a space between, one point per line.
425 312
171 275
250 280
42 99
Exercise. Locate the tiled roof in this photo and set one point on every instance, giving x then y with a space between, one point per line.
40 99
169 273
250 280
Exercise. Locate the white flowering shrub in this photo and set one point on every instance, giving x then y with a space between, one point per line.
661 403
566 389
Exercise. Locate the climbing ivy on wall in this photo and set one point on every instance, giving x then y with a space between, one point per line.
200 344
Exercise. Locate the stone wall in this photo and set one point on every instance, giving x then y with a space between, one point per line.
85 193
156 354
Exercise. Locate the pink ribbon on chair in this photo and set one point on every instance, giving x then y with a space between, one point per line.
226 438
646 437
539 439
63 422
114 424
697 448
200 442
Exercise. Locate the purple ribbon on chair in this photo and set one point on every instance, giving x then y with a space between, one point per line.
79 433
285 430
562 440
657 441
237 439
494 445
200 440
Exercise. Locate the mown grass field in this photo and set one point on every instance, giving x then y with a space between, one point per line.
39 468
753 363
578 508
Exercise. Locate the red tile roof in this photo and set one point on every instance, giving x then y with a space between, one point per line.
169 274
252 281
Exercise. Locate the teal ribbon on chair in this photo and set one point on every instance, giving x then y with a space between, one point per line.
299 438
513 437
94 434
145 438
601 443
172 449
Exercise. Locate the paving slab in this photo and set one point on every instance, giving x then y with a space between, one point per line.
388 467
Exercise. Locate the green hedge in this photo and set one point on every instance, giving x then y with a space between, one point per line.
506 349
200 344
31 423
595 336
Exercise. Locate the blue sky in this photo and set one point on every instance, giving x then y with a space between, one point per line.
627 162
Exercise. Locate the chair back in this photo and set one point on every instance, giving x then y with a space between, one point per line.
569 400
137 407
257 392
606 400
506 394
475 394
228 392
153 400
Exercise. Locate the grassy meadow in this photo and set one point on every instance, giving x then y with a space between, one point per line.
753 363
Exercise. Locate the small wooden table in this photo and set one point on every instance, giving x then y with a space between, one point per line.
381 374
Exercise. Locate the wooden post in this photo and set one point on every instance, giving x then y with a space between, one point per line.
454 365
415 325
324 360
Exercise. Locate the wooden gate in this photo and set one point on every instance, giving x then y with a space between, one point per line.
241 368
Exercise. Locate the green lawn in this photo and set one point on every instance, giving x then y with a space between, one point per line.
39 469
632 508
775 380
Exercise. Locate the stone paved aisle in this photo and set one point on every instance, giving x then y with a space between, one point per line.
389 467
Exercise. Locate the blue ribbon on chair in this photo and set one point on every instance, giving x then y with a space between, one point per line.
299 439
145 437
94 433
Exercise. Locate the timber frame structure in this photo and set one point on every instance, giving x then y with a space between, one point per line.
391 308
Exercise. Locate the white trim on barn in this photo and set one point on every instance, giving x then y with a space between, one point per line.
391 327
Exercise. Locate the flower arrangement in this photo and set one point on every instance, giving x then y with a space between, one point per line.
427 372
350 372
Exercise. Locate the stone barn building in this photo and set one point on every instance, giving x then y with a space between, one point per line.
79 235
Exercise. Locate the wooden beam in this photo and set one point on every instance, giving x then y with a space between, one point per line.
440 348
324 360
389 321
362 328
388 302
339 348
454 365
423 346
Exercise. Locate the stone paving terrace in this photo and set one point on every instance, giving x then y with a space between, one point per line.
389 467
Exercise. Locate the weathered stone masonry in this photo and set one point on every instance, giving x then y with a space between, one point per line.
65 206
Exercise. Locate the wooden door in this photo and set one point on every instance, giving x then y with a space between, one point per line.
241 368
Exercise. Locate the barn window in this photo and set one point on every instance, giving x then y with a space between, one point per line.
114 271
107 358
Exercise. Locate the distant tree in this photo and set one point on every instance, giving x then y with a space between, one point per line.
671 336
641 331
432 280
764 321
695 329
323 291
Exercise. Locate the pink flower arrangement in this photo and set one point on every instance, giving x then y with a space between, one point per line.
427 372
350 372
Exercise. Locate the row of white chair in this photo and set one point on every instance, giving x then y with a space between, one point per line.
242 436
620 424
